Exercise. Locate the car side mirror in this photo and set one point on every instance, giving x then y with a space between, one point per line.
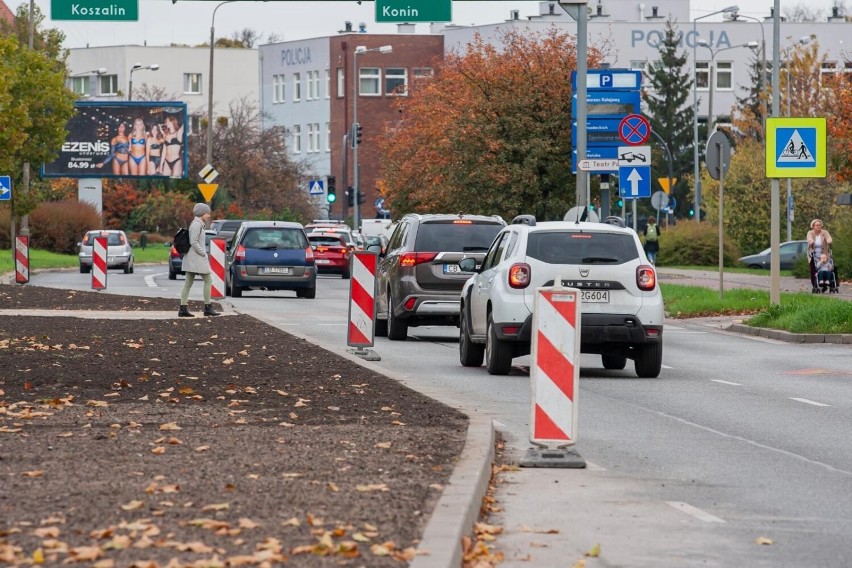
468 264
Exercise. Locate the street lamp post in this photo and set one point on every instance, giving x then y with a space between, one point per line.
210 83
697 181
353 134
712 71
138 67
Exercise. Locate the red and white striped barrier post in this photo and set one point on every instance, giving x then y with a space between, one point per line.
555 377
22 259
217 266
99 264
362 300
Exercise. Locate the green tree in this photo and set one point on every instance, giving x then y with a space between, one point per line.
489 132
752 108
47 41
667 102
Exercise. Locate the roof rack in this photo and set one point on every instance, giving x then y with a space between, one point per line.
614 220
524 220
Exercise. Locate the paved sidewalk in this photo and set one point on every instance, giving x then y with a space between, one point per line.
758 280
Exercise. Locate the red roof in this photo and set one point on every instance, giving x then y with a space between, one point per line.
6 14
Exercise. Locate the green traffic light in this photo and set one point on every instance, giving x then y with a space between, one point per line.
331 197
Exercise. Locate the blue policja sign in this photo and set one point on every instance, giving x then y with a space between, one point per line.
5 188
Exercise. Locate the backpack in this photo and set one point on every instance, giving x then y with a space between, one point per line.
651 233
181 242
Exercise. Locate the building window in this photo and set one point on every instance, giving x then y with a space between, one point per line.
833 70
724 75
313 85
108 84
312 138
369 81
297 139
702 74
192 83
396 81
328 137
341 83
297 87
80 85
327 84
278 84
422 72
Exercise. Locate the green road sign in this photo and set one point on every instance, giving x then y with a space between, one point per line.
410 11
95 10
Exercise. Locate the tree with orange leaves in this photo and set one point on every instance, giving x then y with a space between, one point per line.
490 132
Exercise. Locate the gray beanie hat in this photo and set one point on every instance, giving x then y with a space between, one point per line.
200 209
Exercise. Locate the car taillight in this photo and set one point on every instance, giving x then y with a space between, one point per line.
174 253
241 253
322 249
415 258
309 254
646 278
520 275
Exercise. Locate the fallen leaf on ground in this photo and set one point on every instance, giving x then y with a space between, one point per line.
133 505
763 540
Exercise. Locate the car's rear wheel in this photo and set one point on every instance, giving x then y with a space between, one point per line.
309 293
236 291
173 275
498 353
345 275
649 361
616 362
470 353
85 269
397 327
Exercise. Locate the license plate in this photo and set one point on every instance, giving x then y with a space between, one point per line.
595 296
452 269
323 261
276 270
110 258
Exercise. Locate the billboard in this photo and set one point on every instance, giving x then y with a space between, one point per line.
123 139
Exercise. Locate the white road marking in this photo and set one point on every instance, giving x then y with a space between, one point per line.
149 280
666 367
726 382
806 401
594 467
694 511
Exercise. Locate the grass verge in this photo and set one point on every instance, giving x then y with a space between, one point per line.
42 259
797 313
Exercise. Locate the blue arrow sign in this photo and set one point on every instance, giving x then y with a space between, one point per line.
634 181
5 188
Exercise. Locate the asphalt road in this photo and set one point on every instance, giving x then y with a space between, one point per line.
740 441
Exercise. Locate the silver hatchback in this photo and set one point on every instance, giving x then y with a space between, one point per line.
119 251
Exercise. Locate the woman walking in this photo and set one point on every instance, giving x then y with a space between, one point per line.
196 261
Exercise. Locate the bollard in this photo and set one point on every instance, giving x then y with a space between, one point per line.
554 378
362 305
217 266
99 263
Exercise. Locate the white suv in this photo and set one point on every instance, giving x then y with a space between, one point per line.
622 311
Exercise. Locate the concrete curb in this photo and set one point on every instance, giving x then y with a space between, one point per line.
458 508
777 334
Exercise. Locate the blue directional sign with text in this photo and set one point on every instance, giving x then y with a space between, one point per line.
5 188
611 95
634 181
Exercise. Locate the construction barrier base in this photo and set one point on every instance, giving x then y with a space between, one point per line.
366 354
548 457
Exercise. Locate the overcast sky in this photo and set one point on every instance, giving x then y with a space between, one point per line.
162 22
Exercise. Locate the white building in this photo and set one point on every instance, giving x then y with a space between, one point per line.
182 74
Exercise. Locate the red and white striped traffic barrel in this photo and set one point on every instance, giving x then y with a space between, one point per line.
555 367
22 259
217 266
99 263
362 300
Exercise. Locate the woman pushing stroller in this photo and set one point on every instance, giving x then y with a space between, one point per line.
821 264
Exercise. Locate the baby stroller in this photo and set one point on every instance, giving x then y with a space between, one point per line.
827 283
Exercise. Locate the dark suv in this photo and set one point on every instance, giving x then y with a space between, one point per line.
418 279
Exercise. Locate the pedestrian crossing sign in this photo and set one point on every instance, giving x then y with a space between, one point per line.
795 147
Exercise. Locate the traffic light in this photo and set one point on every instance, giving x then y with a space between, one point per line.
350 195
691 212
620 202
361 198
331 189
357 133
